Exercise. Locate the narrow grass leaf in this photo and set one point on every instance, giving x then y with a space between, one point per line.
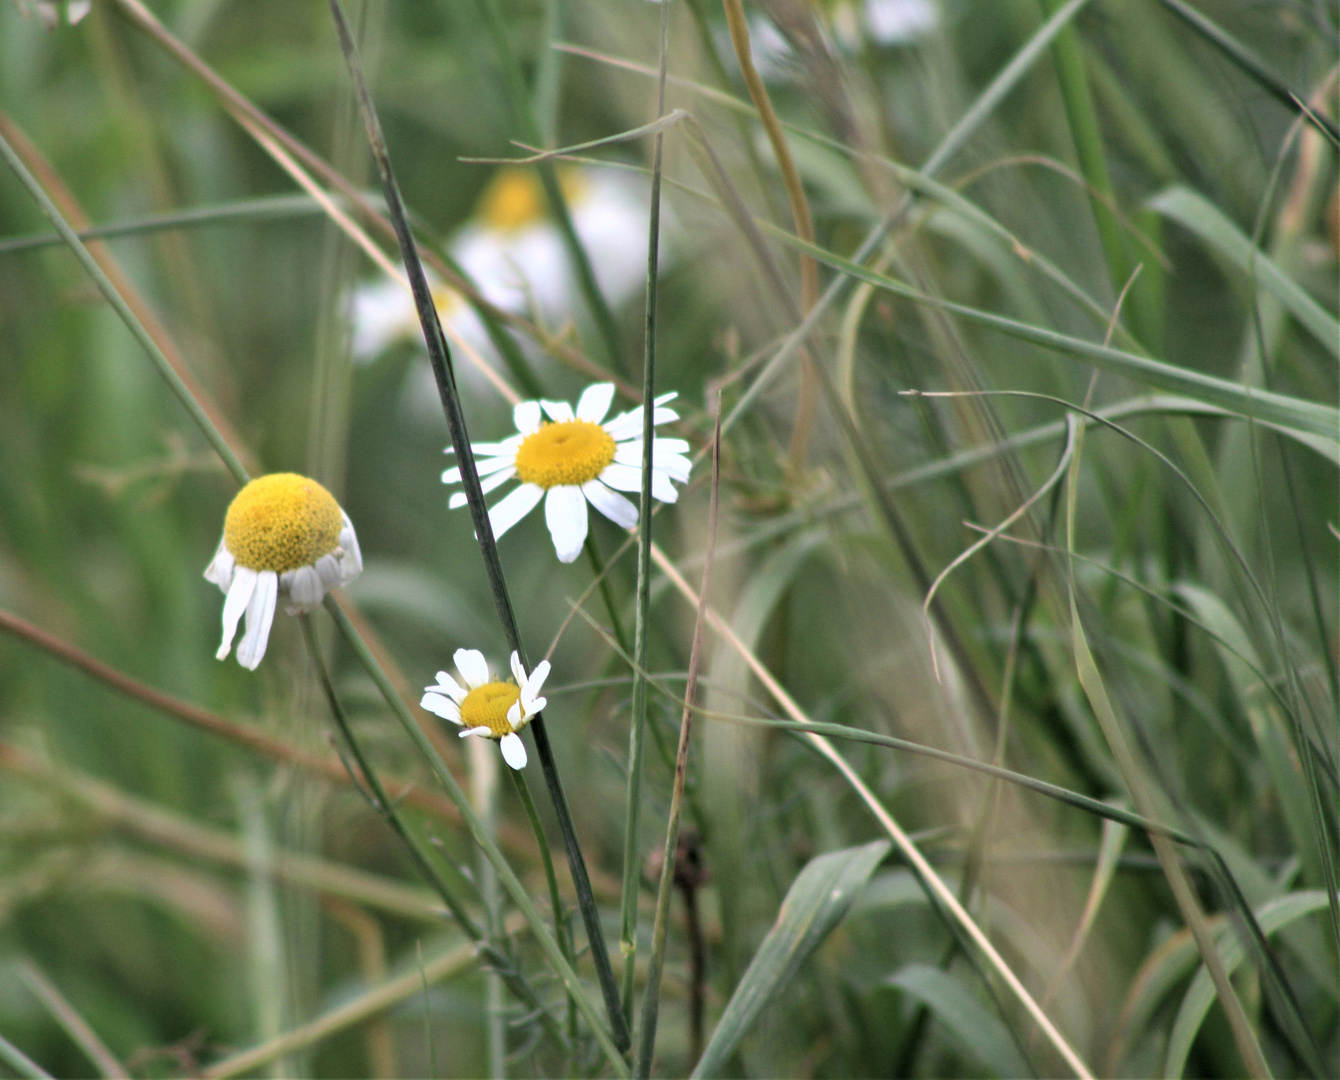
1197 214
818 899
1201 993
976 1027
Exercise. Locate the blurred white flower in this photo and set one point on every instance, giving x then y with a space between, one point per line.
516 257
884 22
487 706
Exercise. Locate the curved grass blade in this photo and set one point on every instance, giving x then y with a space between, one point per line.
1200 995
1291 412
20 1062
262 209
962 1012
821 895
1196 213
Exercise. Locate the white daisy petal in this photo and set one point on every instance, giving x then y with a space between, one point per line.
557 411
449 686
675 466
614 506
353 560
518 672
526 416
661 488
565 514
514 507
459 498
441 706
663 398
305 590
220 568
536 680
472 665
477 731
622 477
260 616
595 402
328 570
239 596
513 751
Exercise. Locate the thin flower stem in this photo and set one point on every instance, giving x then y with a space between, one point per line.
20 1062
515 889
381 802
651 994
444 374
523 113
122 309
603 581
632 869
555 900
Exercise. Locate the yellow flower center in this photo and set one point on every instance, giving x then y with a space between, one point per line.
569 452
514 197
281 522
487 705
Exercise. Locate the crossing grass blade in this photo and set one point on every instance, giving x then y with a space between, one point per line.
816 902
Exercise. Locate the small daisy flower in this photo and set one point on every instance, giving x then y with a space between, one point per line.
573 459
487 706
285 535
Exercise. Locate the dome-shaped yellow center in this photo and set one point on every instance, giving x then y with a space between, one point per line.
487 705
514 197
281 522
569 452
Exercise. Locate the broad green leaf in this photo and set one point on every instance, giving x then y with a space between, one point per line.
816 902
977 1029
1194 212
1201 994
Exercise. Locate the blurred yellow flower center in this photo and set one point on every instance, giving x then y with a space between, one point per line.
445 300
487 705
569 452
281 522
515 198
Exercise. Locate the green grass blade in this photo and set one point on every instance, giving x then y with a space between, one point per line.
1196 213
818 899
975 1026
1200 995
1282 409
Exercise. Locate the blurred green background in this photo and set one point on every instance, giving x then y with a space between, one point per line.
1133 141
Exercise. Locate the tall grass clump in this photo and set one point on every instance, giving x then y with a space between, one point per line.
884 561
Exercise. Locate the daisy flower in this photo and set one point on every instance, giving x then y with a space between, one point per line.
572 459
487 706
516 257
285 535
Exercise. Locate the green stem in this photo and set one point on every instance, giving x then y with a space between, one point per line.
523 114
444 374
555 900
651 995
381 802
515 889
606 594
632 870
122 309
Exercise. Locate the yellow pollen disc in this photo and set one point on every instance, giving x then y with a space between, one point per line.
281 522
445 300
569 452
514 197
487 705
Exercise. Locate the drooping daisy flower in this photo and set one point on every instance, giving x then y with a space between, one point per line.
489 707
574 459
285 535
